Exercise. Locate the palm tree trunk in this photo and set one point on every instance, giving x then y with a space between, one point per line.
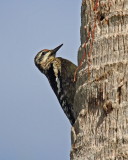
101 101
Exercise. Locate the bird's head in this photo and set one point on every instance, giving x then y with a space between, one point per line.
45 55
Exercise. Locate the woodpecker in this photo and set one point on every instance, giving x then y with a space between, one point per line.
60 74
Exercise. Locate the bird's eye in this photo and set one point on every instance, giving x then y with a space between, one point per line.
43 53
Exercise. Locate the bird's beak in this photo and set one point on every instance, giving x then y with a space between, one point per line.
56 49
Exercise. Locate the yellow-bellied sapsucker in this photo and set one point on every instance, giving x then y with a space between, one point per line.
60 73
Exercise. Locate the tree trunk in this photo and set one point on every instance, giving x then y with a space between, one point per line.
101 101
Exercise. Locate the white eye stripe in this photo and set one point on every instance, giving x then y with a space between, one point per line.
45 57
40 54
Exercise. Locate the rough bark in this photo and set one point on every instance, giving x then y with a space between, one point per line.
101 101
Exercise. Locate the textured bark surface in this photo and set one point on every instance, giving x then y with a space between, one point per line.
101 101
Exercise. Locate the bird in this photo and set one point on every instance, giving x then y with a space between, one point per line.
60 74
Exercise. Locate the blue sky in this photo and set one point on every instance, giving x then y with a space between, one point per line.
32 123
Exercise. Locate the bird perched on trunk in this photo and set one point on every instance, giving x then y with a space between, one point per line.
60 74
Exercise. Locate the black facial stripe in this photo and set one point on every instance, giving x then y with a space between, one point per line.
44 52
